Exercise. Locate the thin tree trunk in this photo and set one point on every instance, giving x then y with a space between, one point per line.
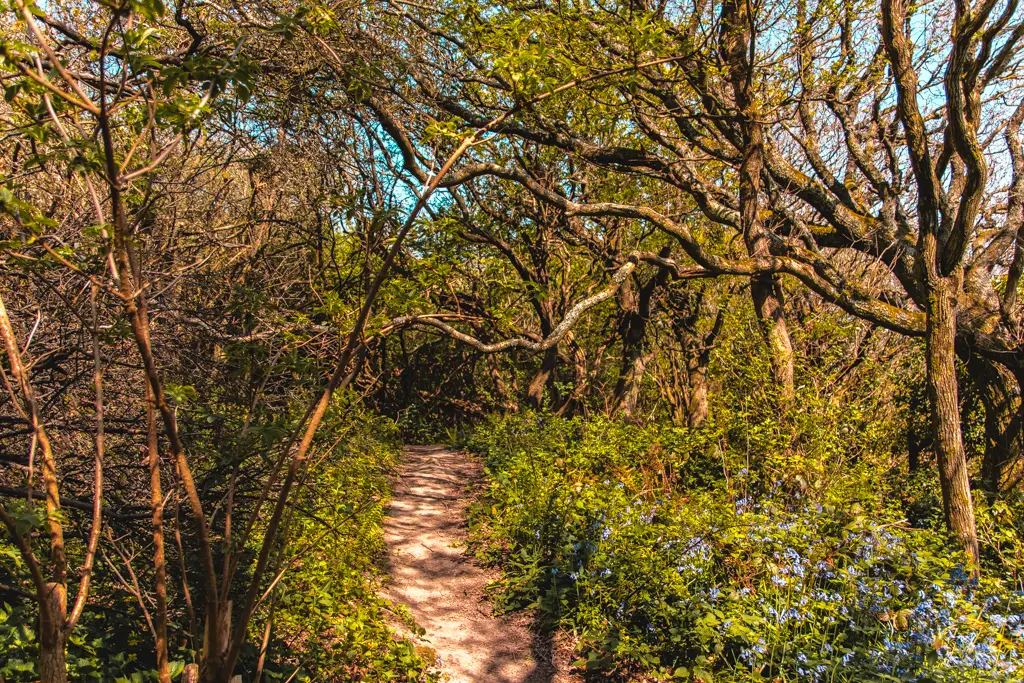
159 561
53 598
265 643
917 442
697 403
943 394
49 467
129 276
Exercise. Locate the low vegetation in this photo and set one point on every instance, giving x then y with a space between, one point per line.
329 617
666 554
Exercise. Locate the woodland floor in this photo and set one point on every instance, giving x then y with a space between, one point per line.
434 576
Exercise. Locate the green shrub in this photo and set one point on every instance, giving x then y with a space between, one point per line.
330 617
330 621
664 558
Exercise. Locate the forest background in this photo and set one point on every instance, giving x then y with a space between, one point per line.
724 294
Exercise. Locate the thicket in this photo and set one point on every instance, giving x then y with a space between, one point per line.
753 547
664 553
330 620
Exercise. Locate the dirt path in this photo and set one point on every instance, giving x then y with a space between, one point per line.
442 586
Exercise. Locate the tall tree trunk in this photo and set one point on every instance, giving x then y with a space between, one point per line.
738 41
943 394
53 598
159 560
1000 397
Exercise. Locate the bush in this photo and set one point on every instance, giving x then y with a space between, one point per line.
330 619
330 622
664 559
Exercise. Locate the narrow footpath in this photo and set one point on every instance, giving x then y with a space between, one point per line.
442 586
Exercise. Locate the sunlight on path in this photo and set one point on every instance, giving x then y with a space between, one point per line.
440 584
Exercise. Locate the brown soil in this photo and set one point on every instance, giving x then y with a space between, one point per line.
432 575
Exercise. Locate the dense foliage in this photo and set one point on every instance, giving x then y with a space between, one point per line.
665 554
330 619
734 289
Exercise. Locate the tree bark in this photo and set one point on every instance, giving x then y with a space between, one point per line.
943 394
697 403
738 41
216 639
159 561
53 598
542 381
771 314
1000 397
576 398
52 613
634 381
637 310
697 372
506 395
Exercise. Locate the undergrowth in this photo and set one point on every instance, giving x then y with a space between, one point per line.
329 620
672 555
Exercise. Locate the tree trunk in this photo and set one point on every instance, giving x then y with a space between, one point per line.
770 312
632 354
738 42
506 395
216 640
697 403
633 328
52 613
576 399
918 440
159 559
940 337
535 391
1000 397
633 384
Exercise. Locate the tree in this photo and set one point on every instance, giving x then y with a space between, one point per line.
667 101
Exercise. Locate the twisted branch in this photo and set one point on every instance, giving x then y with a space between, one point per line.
556 336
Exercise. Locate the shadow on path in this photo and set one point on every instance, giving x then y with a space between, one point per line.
439 583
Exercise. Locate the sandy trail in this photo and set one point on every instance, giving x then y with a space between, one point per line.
441 585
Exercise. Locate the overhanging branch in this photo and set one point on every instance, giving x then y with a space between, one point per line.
552 340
